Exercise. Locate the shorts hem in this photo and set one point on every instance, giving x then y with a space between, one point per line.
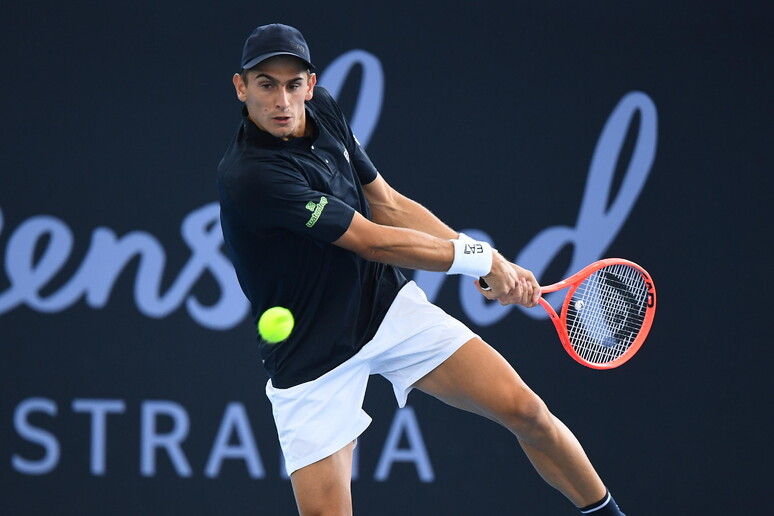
345 438
401 394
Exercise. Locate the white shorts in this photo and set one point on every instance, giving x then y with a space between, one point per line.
318 418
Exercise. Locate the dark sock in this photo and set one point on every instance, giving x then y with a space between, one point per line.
605 507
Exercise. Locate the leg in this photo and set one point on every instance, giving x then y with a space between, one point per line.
478 379
323 488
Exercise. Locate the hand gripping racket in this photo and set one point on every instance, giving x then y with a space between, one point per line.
606 314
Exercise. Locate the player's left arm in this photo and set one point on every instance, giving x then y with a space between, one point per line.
390 208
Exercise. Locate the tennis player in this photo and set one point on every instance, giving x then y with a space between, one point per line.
311 225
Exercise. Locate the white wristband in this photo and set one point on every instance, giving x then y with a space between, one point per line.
471 257
465 238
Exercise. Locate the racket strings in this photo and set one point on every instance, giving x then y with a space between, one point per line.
606 313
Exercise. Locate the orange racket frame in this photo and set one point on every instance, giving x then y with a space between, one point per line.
573 282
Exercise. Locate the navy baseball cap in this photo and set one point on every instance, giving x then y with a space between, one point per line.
273 40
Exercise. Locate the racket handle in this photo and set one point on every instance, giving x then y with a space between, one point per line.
484 285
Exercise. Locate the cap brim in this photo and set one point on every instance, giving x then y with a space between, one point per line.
251 63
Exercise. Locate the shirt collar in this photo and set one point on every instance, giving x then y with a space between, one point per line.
264 139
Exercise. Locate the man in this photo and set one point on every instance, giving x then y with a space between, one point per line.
311 225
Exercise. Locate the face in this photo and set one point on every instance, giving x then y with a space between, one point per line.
274 94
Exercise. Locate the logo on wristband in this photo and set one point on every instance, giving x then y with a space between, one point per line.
473 248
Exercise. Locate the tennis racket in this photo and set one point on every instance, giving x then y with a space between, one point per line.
606 314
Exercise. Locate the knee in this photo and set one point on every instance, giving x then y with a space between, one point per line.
527 416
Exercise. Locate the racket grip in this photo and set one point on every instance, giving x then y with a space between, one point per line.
484 285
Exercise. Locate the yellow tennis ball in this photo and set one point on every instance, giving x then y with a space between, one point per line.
275 324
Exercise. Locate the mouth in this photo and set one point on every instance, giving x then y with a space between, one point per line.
282 120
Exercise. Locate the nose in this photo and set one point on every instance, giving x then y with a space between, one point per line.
283 98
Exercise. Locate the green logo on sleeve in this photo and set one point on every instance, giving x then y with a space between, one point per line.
316 210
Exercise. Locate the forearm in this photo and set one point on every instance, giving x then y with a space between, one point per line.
402 247
431 249
406 213
414 249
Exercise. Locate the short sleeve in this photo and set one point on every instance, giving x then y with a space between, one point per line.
364 167
270 196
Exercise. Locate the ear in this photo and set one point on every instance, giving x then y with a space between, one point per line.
312 82
240 87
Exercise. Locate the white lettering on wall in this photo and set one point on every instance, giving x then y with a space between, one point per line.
30 269
99 409
234 440
235 421
597 224
405 423
35 435
369 101
171 442
108 255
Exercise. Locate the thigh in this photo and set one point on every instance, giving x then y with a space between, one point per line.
478 379
323 487
415 337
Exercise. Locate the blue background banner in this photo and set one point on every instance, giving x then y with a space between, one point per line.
130 381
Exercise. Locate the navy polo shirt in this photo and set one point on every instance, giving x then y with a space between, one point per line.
282 204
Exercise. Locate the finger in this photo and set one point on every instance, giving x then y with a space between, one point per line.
514 297
518 290
536 289
526 291
531 294
536 295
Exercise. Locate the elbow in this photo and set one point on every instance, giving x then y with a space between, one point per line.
386 216
369 241
372 253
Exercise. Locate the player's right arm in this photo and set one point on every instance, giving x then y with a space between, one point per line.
413 249
401 247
